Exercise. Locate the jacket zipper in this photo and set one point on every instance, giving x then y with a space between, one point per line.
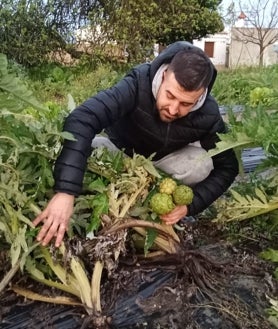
167 135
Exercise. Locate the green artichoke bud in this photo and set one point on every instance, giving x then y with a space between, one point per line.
167 185
161 203
183 195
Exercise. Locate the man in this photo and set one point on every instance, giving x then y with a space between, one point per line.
163 107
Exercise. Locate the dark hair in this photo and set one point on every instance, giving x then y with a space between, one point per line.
192 68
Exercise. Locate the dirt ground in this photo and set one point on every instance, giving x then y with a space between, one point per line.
213 284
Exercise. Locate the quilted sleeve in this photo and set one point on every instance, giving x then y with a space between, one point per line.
87 120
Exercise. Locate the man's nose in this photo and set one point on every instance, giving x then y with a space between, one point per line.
174 108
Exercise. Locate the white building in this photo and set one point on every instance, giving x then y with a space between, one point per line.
231 48
215 46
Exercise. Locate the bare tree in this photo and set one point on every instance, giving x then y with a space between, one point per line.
261 26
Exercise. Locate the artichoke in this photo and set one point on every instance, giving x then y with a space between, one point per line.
167 185
161 203
183 195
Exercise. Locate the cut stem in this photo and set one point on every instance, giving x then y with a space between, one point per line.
95 286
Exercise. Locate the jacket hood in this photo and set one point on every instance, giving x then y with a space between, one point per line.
169 52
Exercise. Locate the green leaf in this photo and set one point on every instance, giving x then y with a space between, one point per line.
239 140
241 207
151 235
140 212
148 165
71 103
17 245
100 206
14 86
270 254
67 135
3 227
261 195
117 161
97 185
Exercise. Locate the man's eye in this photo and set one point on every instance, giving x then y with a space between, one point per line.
170 96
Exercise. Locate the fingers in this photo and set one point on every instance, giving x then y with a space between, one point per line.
50 229
60 235
55 219
175 215
47 231
39 219
171 221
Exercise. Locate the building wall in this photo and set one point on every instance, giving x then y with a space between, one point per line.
220 40
244 53
232 50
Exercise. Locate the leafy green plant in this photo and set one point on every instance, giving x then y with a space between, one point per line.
240 207
261 95
272 255
256 126
114 184
241 82
120 185
30 141
272 311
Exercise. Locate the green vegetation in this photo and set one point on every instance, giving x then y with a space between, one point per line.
239 83
54 82
32 32
254 201
114 186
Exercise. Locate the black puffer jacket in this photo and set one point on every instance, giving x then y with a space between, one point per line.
128 113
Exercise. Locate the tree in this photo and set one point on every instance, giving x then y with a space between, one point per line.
187 20
136 25
229 14
261 20
31 29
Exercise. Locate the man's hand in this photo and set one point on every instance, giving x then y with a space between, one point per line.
55 218
175 215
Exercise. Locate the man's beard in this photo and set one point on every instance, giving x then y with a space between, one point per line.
165 116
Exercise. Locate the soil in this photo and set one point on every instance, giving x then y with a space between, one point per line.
211 284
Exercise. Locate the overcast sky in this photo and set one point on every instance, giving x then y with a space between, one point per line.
226 3
258 5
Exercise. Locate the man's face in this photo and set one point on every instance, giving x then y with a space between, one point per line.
172 100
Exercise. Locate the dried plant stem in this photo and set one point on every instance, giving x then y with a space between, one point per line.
9 275
95 286
167 239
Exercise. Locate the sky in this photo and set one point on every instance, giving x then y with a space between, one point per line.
226 3
246 3
265 15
